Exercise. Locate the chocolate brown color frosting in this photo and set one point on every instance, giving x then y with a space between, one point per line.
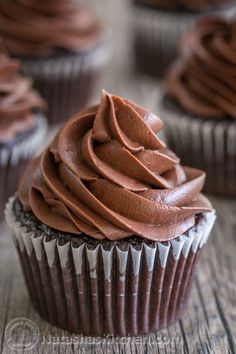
109 176
203 77
188 5
39 28
18 100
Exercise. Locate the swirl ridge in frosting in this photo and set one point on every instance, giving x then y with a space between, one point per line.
18 101
108 175
202 79
39 28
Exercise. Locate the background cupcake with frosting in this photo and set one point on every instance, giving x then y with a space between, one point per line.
109 225
200 103
159 24
62 48
22 125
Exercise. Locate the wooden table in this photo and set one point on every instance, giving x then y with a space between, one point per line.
209 324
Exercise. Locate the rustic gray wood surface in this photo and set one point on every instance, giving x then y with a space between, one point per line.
209 324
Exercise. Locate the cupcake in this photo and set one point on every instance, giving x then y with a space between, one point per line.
108 225
199 105
159 24
61 46
22 125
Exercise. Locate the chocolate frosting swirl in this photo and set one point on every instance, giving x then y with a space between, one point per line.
109 176
203 77
40 28
186 5
18 101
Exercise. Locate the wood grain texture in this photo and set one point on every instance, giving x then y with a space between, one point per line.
209 324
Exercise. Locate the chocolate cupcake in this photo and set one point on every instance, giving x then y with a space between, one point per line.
109 234
61 46
159 24
200 103
22 125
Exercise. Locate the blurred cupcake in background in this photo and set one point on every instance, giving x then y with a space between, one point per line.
22 125
62 48
199 105
159 24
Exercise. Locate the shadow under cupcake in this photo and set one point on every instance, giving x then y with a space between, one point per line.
109 234
199 105
61 46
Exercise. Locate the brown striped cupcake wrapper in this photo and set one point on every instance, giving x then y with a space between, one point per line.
121 289
157 35
66 82
206 144
13 160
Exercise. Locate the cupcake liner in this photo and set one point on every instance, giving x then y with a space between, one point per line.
13 160
118 288
206 144
157 35
66 82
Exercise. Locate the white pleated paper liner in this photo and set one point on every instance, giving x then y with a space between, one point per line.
206 144
157 34
66 81
14 158
119 288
